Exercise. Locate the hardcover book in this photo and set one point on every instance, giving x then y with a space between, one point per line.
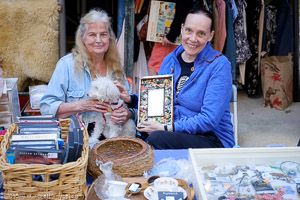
160 20
35 146
24 137
45 127
29 156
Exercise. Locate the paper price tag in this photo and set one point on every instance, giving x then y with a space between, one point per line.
52 155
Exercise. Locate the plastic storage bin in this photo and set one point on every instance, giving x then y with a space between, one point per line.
210 167
9 103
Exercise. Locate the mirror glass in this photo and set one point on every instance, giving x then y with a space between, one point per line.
156 102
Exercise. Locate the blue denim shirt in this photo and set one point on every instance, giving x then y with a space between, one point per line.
66 85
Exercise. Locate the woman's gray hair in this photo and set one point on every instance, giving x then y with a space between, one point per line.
93 16
81 54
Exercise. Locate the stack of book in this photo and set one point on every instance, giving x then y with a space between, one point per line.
38 140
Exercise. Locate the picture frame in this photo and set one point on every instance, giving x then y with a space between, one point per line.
155 99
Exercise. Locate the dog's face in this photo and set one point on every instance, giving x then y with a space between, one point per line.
103 89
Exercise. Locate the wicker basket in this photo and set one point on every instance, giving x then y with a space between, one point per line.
131 156
18 183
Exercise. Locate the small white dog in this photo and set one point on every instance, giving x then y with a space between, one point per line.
103 89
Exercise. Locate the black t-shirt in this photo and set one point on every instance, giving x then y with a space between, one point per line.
186 71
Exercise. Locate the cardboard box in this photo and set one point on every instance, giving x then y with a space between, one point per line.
269 157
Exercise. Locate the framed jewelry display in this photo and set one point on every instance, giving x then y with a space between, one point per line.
156 99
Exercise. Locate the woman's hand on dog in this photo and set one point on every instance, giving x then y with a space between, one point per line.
95 105
149 127
120 116
84 105
123 92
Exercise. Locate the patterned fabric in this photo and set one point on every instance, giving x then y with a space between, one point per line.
270 28
243 52
253 12
182 80
186 71
230 45
219 14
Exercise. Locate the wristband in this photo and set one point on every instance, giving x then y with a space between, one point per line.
170 127
166 127
132 113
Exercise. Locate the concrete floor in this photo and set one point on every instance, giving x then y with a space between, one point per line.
259 126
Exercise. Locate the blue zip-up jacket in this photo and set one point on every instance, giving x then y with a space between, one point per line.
203 103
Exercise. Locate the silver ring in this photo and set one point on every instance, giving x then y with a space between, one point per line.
120 122
121 114
97 106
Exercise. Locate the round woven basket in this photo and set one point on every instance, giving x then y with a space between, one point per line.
131 156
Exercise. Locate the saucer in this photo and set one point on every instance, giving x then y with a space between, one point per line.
149 193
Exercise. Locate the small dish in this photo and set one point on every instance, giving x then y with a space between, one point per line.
151 179
151 194
134 188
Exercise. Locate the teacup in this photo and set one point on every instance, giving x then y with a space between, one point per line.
116 188
165 184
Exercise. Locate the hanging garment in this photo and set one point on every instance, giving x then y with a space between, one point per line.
243 52
120 44
284 35
219 14
251 78
270 27
138 6
139 68
260 33
121 16
234 10
230 41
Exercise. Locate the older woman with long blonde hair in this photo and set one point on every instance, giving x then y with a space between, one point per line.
94 55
